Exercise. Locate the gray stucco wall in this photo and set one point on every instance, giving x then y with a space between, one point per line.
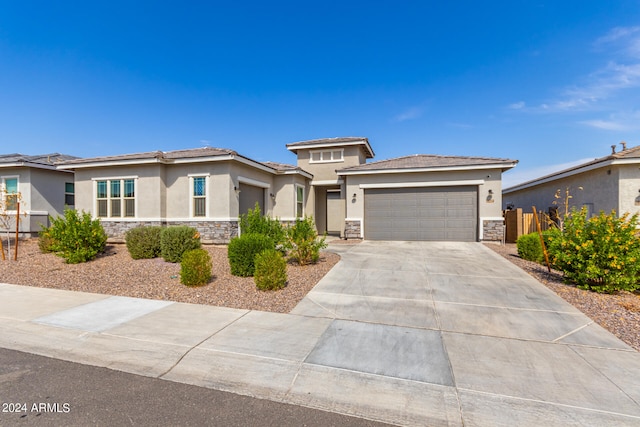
599 192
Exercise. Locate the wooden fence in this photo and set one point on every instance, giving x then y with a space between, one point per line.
518 223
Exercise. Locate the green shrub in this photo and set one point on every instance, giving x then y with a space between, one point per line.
46 244
242 252
77 237
176 240
143 242
529 247
254 222
271 270
600 254
303 242
195 268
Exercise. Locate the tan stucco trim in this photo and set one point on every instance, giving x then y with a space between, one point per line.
99 164
423 184
254 182
327 182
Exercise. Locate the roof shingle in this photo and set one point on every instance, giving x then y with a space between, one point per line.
427 161
39 159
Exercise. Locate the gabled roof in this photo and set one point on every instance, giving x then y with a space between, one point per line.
429 162
43 161
203 154
332 142
628 156
154 156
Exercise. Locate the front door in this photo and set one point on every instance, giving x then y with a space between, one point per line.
335 212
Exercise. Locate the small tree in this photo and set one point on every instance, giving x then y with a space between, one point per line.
77 237
9 215
254 222
562 201
303 241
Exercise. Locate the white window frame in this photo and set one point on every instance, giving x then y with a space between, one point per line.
327 155
3 189
296 202
192 197
121 198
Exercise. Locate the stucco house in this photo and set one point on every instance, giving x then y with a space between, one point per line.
206 188
419 197
45 190
607 183
422 197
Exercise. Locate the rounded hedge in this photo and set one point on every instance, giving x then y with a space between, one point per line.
195 268
143 242
176 240
271 270
242 252
529 247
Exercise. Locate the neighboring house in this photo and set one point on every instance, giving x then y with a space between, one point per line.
604 184
44 189
420 197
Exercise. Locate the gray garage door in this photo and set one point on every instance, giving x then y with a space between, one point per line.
431 213
249 195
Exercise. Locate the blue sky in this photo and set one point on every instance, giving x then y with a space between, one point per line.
547 83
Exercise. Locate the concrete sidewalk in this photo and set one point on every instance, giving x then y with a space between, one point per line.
409 333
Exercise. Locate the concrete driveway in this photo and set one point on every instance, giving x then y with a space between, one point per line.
482 342
409 333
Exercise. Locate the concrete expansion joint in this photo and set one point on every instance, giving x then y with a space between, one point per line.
172 367
334 315
535 310
107 334
574 331
566 344
604 374
546 402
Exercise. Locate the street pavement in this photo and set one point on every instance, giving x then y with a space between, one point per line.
407 333
41 391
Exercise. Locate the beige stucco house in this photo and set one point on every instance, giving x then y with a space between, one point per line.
419 197
44 189
422 197
604 184
206 188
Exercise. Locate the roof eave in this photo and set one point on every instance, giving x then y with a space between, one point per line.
502 166
28 165
570 172
106 163
369 150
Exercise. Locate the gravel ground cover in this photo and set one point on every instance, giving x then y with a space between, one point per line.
618 313
116 273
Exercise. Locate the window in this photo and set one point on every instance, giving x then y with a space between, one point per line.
326 156
299 201
199 195
114 195
69 194
589 207
10 190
